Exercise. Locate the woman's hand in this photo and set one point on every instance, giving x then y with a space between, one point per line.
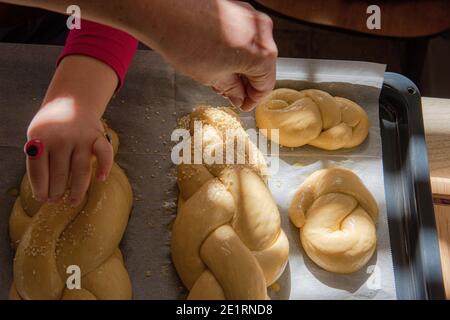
227 45
224 44
70 128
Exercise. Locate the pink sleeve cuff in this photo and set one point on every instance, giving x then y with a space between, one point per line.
111 46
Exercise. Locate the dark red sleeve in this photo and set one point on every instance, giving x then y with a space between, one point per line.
111 46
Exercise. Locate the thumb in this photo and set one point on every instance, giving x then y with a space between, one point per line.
257 86
103 152
231 86
253 96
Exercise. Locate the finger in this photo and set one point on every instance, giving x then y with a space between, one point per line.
265 32
80 171
59 164
103 151
260 76
231 86
252 98
38 175
259 81
244 5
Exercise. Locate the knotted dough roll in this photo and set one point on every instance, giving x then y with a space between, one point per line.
227 242
313 117
49 238
336 215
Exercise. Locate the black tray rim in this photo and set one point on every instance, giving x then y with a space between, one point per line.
418 274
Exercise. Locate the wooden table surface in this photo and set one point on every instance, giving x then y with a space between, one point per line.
399 18
436 114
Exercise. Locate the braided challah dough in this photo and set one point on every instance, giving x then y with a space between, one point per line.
227 242
48 238
313 117
336 215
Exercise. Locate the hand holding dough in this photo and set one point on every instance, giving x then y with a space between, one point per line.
336 215
313 117
50 237
227 242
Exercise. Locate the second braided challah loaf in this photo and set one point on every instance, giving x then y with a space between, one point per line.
313 117
227 242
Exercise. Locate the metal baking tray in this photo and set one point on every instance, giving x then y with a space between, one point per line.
412 227
411 220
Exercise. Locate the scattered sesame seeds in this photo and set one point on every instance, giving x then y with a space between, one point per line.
275 287
165 270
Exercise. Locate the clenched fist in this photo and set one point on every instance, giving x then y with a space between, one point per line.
227 45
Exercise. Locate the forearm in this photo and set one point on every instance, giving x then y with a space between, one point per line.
92 9
88 83
227 45
140 18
